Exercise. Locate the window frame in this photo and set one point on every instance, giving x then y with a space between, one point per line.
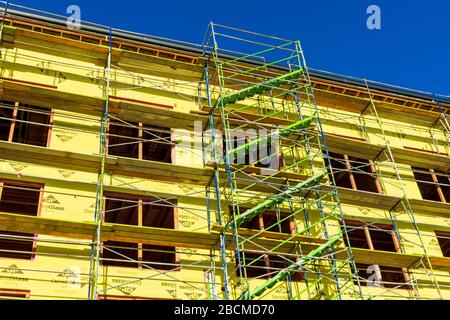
350 171
20 107
140 141
26 184
140 199
438 185
15 293
395 242
445 234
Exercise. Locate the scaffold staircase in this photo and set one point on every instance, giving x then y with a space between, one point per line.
247 93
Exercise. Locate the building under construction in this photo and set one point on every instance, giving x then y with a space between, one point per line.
137 167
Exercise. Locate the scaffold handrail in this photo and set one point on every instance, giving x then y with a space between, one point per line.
258 88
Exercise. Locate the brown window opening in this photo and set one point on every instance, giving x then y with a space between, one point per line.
444 242
354 173
139 211
24 123
376 237
433 185
260 265
140 141
19 198
14 293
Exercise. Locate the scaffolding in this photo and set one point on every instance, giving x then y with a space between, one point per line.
282 155
402 207
107 80
275 218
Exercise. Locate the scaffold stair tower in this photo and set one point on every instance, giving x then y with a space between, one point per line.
248 92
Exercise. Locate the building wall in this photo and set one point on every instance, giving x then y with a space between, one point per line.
69 194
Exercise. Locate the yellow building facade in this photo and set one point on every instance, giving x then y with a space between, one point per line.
133 168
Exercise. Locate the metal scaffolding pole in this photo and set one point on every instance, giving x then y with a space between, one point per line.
405 203
99 204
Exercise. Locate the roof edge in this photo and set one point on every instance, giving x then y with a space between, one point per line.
197 49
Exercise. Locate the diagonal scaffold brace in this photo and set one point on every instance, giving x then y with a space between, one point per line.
278 198
285 273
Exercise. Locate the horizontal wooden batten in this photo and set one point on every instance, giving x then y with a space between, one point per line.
55 33
198 176
202 240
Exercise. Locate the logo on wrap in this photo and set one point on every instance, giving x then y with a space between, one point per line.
90 209
406 244
64 135
171 288
190 292
279 293
188 220
188 252
66 173
17 166
45 68
51 204
71 277
186 188
61 77
193 295
13 273
364 211
127 287
433 243
95 76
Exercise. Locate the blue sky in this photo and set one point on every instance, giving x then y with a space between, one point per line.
412 49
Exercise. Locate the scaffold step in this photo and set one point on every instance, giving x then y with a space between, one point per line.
283 274
266 140
278 198
258 88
